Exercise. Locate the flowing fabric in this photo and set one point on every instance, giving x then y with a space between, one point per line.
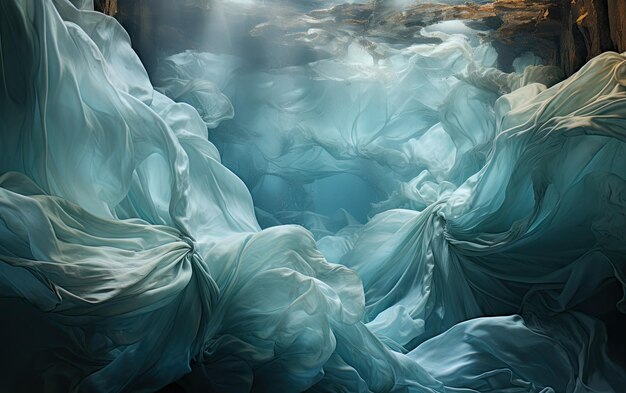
130 257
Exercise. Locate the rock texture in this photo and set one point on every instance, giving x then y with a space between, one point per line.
586 32
617 23
526 26
108 7
566 33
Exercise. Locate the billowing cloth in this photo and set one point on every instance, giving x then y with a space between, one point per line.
130 257
351 123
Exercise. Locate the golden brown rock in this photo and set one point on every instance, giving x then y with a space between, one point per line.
617 23
108 7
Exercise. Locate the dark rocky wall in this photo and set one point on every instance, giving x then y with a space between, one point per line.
590 27
108 7
617 23
566 33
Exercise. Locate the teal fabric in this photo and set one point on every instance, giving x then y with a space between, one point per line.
130 257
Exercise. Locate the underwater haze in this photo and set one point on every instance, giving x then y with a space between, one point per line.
303 197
